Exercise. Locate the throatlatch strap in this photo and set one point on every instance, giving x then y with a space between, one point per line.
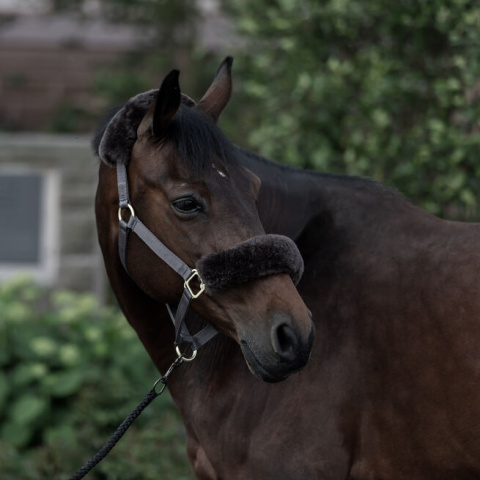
182 335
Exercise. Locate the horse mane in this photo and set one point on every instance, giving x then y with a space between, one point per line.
195 135
198 141
267 163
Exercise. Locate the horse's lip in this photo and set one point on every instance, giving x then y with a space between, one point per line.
257 368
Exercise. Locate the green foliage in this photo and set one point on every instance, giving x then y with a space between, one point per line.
367 87
71 371
69 118
126 80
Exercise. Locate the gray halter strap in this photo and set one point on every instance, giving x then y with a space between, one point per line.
178 314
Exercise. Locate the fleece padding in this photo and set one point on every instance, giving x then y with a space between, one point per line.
257 257
121 132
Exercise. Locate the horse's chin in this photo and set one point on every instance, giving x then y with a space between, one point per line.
267 374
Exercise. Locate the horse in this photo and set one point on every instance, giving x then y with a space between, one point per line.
367 368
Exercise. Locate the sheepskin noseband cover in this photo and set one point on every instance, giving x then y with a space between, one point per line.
256 257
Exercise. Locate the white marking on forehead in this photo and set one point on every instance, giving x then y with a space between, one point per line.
222 174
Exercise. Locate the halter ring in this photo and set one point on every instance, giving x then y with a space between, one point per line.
132 211
185 359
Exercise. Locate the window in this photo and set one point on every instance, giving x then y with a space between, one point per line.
28 219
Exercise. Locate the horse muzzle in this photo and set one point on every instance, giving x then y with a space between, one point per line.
290 353
275 349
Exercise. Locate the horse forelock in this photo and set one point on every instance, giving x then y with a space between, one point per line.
198 140
194 134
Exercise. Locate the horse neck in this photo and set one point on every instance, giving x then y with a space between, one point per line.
285 195
293 201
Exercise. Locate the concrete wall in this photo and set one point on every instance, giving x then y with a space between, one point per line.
68 220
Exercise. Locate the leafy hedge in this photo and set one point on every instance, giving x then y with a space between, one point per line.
70 372
378 88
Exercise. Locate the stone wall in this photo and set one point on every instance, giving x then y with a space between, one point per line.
68 222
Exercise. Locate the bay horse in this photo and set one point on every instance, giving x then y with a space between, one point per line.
390 389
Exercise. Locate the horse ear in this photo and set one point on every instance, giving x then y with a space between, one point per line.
161 113
219 92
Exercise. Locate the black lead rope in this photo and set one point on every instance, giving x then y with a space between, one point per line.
149 397
182 335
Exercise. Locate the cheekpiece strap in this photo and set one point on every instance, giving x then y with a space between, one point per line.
123 203
122 182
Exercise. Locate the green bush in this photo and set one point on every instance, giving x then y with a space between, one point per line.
377 88
71 372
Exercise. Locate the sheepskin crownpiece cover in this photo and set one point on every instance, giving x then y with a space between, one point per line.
120 133
256 257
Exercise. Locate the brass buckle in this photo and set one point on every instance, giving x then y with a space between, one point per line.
132 211
187 284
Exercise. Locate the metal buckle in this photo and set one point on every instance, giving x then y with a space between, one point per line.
132 211
187 284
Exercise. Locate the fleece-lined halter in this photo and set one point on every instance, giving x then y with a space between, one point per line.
256 257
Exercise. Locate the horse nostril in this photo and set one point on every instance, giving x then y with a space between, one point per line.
285 341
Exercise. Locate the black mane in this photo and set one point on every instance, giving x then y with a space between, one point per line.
366 182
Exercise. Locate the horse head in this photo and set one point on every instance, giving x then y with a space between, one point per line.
187 185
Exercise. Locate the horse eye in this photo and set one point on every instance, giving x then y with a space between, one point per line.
187 205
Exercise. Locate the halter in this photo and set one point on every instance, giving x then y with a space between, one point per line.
182 335
256 257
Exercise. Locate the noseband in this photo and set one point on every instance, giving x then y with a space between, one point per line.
249 260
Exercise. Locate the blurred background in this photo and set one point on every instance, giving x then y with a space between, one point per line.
389 90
